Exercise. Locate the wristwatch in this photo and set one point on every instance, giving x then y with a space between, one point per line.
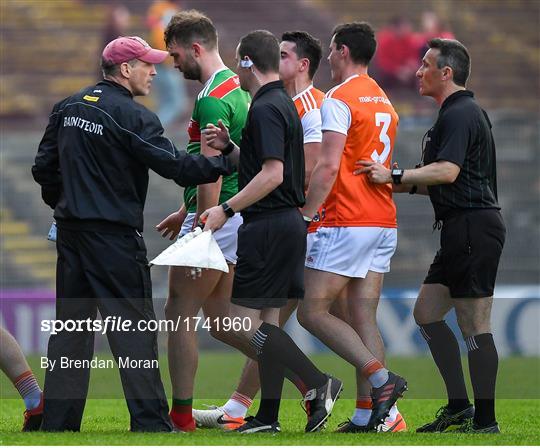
397 174
229 212
228 149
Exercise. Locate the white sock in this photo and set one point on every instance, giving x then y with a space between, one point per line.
393 412
378 378
235 409
361 416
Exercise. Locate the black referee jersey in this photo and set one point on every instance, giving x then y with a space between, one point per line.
273 131
462 135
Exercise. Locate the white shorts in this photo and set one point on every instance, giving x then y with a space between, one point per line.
351 251
226 237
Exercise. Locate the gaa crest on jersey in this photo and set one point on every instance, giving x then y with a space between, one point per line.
194 131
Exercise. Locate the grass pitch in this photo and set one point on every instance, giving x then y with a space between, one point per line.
106 418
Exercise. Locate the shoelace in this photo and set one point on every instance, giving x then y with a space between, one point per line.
440 417
441 412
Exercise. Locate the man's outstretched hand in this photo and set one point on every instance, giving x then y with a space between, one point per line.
376 172
171 225
217 137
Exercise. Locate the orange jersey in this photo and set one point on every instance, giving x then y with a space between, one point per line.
364 113
308 105
309 99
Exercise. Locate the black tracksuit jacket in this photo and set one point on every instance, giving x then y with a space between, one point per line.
93 160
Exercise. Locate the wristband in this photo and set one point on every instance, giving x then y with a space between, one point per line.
228 149
229 212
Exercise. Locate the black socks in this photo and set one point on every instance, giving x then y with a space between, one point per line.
444 348
483 365
276 351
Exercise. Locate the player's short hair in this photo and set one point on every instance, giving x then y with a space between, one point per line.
307 47
109 68
455 55
262 47
186 27
359 37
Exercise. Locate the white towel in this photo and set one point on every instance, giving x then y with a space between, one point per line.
196 249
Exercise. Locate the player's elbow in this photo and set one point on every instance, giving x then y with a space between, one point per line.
329 170
273 173
452 176
449 172
276 179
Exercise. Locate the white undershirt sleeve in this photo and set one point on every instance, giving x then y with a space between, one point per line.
336 116
311 122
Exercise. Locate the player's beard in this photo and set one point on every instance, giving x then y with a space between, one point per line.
191 69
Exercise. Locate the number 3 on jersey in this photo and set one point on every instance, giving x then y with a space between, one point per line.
384 119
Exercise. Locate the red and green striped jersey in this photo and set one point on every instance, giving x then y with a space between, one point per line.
221 98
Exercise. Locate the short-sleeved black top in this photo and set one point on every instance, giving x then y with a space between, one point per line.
462 135
273 131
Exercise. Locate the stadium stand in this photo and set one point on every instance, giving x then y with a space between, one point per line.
63 56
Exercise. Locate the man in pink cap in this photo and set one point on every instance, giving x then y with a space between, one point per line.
139 58
92 165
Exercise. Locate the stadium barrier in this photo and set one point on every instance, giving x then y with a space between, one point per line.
515 322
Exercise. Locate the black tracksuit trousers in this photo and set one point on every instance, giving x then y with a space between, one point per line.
103 270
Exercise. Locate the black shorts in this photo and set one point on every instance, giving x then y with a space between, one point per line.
471 247
271 255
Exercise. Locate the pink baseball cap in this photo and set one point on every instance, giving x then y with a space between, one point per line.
125 49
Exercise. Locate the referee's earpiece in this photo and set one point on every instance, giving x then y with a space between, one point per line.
246 63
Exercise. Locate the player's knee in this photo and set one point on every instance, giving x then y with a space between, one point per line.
305 318
363 318
418 314
465 323
473 324
466 327
220 335
424 315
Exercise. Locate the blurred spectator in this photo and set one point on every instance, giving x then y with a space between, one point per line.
170 88
432 26
118 20
397 55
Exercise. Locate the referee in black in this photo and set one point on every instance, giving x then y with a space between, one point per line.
92 165
272 239
459 175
